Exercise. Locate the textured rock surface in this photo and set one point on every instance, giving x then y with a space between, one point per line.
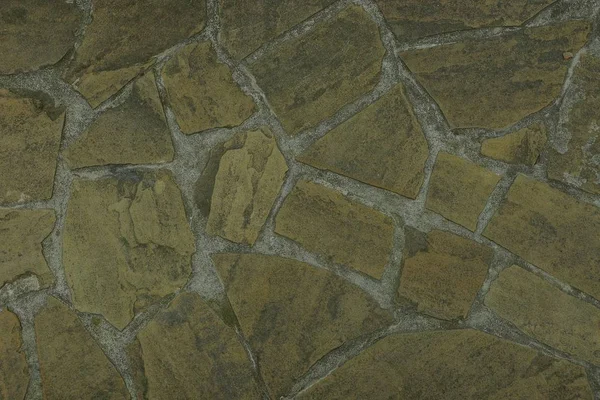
311 77
383 146
521 147
459 364
126 243
293 314
551 230
14 372
459 189
493 83
324 221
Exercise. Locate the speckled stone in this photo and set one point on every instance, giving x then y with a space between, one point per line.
14 372
521 147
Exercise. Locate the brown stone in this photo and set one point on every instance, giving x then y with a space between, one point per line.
309 78
495 82
445 274
293 314
552 230
383 146
14 372
126 244
325 222
459 189
452 365
521 147
72 364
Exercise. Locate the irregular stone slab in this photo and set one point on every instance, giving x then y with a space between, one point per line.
325 222
309 78
126 243
245 26
452 365
495 82
580 164
14 372
383 146
293 314
189 341
552 230
546 313
247 183
202 92
444 275
26 44
459 189
30 132
134 132
123 37
521 147
21 246
412 19
72 364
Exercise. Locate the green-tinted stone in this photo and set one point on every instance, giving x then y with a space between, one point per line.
521 147
14 373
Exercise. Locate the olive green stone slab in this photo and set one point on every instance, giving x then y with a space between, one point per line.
14 372
309 78
325 222
383 146
521 147
293 314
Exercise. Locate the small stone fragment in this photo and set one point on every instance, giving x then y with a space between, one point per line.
444 276
126 243
36 34
14 372
189 341
250 175
551 230
293 314
134 132
521 147
546 313
30 132
202 92
72 364
459 189
383 146
452 365
495 82
325 222
309 78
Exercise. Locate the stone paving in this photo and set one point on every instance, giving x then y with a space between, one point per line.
325 199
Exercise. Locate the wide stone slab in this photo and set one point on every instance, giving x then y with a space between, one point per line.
383 146
127 243
521 147
552 230
293 314
308 78
14 372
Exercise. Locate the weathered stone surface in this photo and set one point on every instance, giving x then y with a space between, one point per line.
72 364
551 230
202 92
325 222
459 189
35 34
134 132
189 341
580 164
22 233
444 275
521 147
14 373
412 19
452 365
492 83
126 243
546 313
123 37
311 77
30 132
246 25
247 183
293 314
383 146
